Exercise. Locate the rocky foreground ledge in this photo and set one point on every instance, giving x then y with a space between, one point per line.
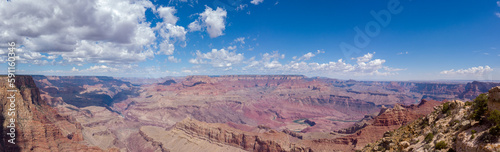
452 126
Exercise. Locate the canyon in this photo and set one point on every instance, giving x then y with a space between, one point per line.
229 112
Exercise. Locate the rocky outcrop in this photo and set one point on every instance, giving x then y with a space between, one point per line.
38 127
450 127
494 99
357 126
168 82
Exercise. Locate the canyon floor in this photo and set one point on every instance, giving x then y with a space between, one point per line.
223 113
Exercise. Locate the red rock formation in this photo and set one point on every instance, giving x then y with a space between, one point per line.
221 133
389 119
38 126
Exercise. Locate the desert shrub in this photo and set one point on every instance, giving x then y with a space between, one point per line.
495 117
440 145
480 106
446 107
473 131
429 137
468 103
495 130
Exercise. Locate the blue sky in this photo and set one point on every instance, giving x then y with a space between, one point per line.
423 40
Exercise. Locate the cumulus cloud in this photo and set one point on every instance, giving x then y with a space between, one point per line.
479 70
231 47
256 2
169 32
95 31
308 55
167 14
213 20
194 26
92 69
497 14
173 59
60 28
218 58
365 65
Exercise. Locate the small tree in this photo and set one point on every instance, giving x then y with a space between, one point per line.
446 107
495 117
429 137
440 145
480 106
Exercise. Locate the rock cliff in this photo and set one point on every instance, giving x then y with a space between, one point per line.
38 127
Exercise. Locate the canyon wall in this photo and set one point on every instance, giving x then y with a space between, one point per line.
38 127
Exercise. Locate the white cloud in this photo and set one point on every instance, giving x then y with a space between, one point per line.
401 53
213 20
498 3
173 59
99 69
194 26
189 71
167 14
256 2
95 31
365 58
240 39
480 70
168 31
273 64
218 58
241 7
308 55
61 27
231 47
365 65
497 14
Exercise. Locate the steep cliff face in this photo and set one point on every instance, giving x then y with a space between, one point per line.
38 127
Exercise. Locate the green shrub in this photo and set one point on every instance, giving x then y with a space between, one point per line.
440 145
495 117
480 106
468 103
473 136
446 107
473 131
429 137
495 130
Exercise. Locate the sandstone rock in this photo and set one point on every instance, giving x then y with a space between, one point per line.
494 99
